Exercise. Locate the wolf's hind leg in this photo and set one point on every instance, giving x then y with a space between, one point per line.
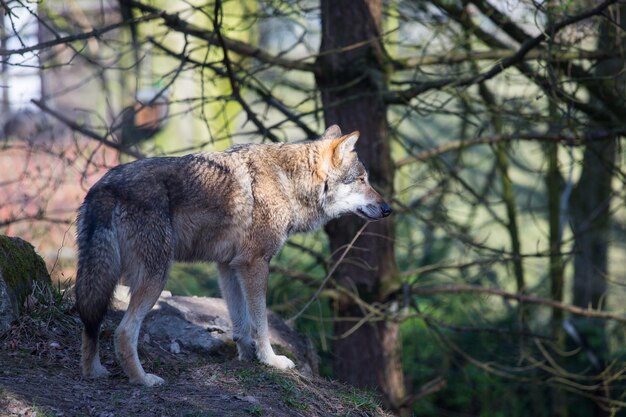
143 297
238 311
253 280
90 356
98 272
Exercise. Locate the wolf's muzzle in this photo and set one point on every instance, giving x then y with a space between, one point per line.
385 209
374 211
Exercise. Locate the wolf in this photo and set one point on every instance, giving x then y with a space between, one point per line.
235 208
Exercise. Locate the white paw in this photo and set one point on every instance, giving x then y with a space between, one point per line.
279 361
148 380
152 380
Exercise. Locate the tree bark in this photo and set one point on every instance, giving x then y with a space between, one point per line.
590 215
592 196
352 81
591 199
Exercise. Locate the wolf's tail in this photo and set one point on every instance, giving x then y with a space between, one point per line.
99 264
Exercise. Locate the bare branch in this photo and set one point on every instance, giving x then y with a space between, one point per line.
454 57
402 97
241 48
329 274
570 140
217 22
428 388
460 289
79 36
87 132
267 97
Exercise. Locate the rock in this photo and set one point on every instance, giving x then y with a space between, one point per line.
7 315
21 269
167 324
202 324
174 347
247 398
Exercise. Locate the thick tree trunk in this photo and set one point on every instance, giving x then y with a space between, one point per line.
351 81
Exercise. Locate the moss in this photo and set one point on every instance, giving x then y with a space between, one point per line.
21 267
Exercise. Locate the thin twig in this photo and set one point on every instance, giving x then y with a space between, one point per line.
267 97
87 132
241 48
330 273
64 40
454 57
403 96
570 140
459 289
217 23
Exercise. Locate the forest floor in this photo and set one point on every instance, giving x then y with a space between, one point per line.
40 376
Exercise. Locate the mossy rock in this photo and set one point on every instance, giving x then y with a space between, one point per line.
20 270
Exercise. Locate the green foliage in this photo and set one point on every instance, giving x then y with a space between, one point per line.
479 385
470 390
193 279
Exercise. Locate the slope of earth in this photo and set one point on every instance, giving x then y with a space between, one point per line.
40 376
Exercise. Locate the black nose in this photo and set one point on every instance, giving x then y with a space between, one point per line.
385 209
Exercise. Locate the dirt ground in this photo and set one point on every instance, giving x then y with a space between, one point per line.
40 376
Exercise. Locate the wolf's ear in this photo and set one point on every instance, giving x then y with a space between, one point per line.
333 152
343 146
333 132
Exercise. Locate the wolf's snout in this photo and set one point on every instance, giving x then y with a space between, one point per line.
374 211
386 210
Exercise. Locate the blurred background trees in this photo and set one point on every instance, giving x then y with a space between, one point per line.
495 127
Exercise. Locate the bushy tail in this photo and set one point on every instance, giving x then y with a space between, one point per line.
99 268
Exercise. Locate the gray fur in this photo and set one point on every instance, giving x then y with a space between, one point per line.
236 208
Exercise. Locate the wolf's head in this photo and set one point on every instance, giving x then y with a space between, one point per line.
346 186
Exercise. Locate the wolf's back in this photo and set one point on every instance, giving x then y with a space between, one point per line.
99 260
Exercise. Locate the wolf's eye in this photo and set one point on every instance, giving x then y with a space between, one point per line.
354 179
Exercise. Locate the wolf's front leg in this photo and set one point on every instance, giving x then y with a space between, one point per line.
253 280
238 312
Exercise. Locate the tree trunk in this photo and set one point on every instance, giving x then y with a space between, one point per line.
590 214
351 82
591 200
592 196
